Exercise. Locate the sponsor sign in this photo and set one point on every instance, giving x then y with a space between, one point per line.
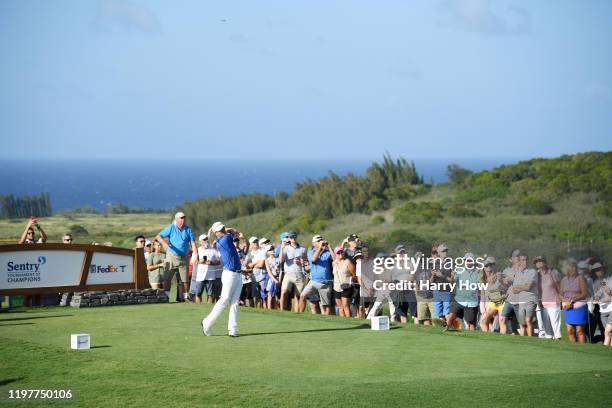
35 269
110 268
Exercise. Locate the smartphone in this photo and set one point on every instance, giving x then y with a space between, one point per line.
204 258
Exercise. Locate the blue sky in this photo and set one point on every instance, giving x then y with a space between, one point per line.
305 79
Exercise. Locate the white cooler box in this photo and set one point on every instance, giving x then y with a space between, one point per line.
380 323
80 341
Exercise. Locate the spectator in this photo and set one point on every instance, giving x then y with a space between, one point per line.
550 312
355 246
598 275
508 312
584 270
495 294
155 266
230 292
256 260
139 242
603 297
274 278
344 272
525 291
29 237
180 239
321 276
465 303
206 272
292 256
424 296
147 249
67 238
442 298
574 293
246 293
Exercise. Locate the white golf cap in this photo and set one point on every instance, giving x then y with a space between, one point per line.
178 215
317 238
203 237
268 248
489 261
469 255
217 226
442 248
253 239
147 242
263 241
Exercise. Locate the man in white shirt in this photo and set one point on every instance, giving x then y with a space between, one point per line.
206 276
256 260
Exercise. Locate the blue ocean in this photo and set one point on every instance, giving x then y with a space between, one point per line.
167 184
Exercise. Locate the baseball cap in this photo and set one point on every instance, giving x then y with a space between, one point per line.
381 255
582 265
178 215
515 253
442 248
284 235
203 237
317 238
539 258
400 248
489 261
338 250
264 241
268 248
596 267
147 242
292 234
217 226
357 254
353 237
469 255
253 239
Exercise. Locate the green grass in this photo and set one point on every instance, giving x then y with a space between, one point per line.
156 355
120 229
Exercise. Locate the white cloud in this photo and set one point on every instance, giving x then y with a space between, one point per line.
124 15
480 16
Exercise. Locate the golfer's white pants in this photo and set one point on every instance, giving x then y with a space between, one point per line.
230 295
379 302
551 322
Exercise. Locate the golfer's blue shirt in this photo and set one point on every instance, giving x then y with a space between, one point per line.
229 254
178 239
321 270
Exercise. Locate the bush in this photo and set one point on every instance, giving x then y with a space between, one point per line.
457 210
603 208
378 219
534 206
423 212
457 174
78 230
481 193
405 237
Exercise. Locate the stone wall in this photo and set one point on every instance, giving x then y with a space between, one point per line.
114 298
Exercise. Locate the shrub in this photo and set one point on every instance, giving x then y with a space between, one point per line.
405 237
481 193
378 219
419 212
78 230
458 210
534 206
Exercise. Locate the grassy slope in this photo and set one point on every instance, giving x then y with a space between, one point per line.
155 355
118 228
500 229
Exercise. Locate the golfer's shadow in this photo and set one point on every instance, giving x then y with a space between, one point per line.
364 326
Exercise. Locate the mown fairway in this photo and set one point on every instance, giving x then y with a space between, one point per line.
156 355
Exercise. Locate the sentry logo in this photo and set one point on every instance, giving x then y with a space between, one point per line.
106 269
26 266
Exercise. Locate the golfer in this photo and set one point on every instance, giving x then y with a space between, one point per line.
231 280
